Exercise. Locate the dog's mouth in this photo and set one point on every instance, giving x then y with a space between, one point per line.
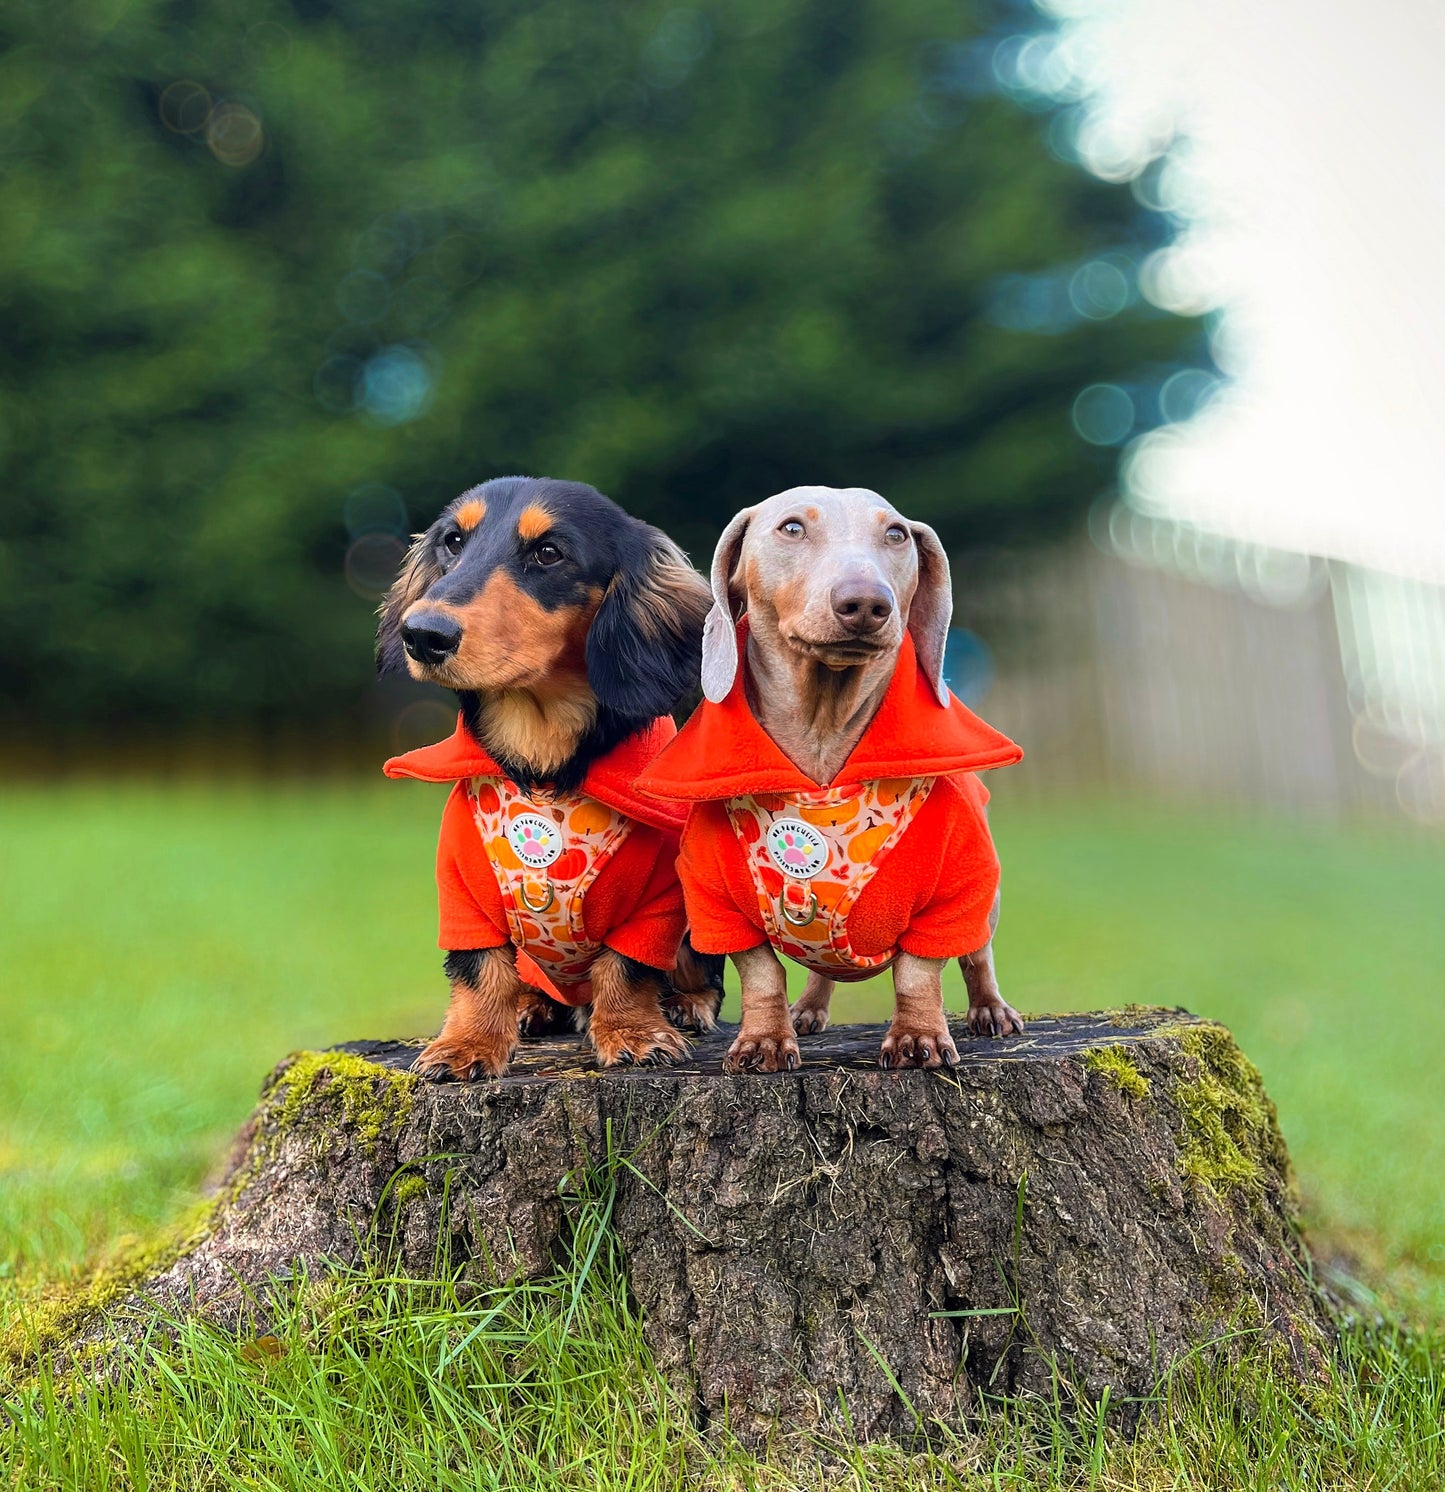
840 652
450 674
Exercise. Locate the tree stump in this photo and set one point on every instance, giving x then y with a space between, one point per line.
1094 1198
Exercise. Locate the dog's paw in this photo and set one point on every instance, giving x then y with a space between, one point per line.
992 1017
465 1058
924 1045
808 1019
693 1010
540 1015
621 1043
763 1050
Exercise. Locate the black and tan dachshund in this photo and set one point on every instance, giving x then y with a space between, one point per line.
568 630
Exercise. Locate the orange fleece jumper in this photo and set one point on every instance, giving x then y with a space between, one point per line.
634 906
932 893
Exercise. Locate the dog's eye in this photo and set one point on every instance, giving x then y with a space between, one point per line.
895 534
547 554
791 529
453 542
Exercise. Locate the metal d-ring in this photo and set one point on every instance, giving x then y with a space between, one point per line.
793 921
542 907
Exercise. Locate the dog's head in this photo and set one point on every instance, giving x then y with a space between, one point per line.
833 574
529 584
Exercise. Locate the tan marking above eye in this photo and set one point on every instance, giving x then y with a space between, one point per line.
470 514
811 513
533 521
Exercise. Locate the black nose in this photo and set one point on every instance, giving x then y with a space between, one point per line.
862 606
430 637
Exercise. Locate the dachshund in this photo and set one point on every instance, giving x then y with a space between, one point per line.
568 630
836 816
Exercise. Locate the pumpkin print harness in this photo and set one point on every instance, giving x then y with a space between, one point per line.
831 876
546 853
810 855
557 875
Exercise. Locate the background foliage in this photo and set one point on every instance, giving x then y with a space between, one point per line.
279 279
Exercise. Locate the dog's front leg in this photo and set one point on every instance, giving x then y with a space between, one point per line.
988 1013
480 1032
540 1015
919 1035
765 1041
696 992
627 1023
809 1011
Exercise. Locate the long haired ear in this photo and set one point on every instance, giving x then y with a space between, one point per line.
932 608
419 573
645 642
719 638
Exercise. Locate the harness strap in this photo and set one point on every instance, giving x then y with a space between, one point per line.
545 855
810 856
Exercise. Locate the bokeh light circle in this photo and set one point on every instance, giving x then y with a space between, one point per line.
396 385
375 508
185 107
234 135
363 296
336 382
383 247
268 45
421 723
457 260
1183 394
678 44
1103 414
421 303
1099 290
372 563
1420 788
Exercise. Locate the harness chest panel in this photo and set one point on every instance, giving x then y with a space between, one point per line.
546 854
810 856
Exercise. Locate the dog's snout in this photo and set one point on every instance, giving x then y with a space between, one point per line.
430 637
862 606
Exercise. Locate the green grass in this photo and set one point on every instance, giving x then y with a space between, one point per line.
160 949
367 1381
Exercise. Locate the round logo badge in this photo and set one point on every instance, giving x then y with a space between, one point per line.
537 841
797 849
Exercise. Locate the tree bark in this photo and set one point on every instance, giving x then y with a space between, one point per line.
1092 1199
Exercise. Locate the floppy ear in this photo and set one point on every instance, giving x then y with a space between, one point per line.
719 638
932 608
419 573
645 642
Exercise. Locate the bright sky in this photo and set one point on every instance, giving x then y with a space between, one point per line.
1314 177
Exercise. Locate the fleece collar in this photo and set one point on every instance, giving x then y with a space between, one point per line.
722 752
611 779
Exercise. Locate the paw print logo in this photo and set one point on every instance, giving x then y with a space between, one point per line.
797 849
537 841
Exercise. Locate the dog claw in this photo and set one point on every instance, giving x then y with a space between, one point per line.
907 1049
768 1053
994 1019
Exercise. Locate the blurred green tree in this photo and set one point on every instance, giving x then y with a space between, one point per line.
278 279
